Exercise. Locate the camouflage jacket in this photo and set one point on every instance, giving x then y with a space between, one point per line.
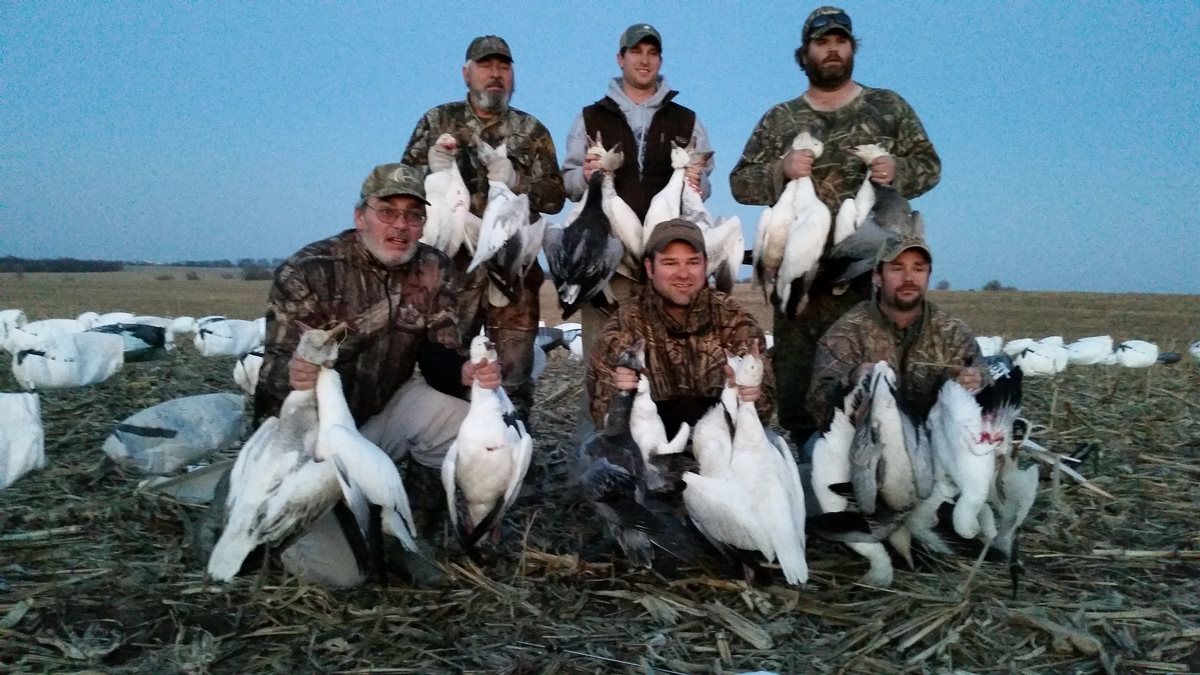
529 145
875 116
397 319
684 363
921 355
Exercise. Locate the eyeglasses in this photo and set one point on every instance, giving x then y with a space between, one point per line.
824 20
389 216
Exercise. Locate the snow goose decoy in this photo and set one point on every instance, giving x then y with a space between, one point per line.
1137 354
583 255
488 460
28 334
167 437
1041 359
142 342
853 211
10 320
245 371
989 346
1089 351
68 360
650 433
508 242
22 439
449 211
227 337
775 224
1194 350
612 473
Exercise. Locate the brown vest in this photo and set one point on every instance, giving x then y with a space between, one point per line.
672 122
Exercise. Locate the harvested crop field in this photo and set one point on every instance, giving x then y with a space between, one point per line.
99 576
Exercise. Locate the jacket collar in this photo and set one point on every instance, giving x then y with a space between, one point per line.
699 316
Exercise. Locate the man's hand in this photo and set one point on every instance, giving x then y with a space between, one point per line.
591 163
970 378
745 394
302 375
625 379
883 170
487 372
798 164
692 173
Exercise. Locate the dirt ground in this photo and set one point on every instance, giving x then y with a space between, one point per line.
97 575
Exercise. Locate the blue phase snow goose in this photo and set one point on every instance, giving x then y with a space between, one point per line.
583 255
890 215
853 211
488 460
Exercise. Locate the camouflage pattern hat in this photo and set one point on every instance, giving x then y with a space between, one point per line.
894 246
826 19
389 180
677 229
640 32
488 45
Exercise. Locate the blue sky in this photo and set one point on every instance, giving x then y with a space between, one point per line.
1069 132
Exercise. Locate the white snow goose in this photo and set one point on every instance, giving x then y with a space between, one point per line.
446 223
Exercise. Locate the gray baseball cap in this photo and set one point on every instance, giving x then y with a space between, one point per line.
640 32
389 180
488 45
676 229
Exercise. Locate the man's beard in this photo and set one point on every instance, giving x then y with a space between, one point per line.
494 101
829 76
891 300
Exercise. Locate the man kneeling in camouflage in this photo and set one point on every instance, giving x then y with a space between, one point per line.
396 296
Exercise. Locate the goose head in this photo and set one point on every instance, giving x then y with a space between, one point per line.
443 152
321 346
596 145
611 160
643 387
482 348
805 141
633 357
679 156
749 369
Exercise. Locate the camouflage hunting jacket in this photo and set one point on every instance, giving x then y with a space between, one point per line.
529 145
397 318
684 363
875 116
921 355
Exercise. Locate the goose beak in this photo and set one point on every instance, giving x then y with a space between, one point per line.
338 331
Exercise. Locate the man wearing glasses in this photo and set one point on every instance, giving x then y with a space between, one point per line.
842 114
398 298
486 116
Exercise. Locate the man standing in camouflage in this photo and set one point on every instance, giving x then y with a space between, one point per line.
924 345
842 114
485 116
639 112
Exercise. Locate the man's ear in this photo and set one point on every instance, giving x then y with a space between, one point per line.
649 263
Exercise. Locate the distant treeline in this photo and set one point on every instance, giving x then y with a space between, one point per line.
241 262
14 264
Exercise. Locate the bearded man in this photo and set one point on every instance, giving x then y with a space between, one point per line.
924 345
842 114
486 116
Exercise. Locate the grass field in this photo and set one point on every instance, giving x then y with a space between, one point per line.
97 576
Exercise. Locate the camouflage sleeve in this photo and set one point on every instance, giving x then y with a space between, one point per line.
600 381
965 350
540 178
839 352
417 152
742 331
290 303
758 177
918 167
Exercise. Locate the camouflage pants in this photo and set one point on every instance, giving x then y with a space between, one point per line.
513 328
795 347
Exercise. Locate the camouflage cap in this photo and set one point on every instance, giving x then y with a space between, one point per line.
676 229
894 246
389 180
826 19
488 45
640 32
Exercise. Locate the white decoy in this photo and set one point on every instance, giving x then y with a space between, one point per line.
667 204
853 212
227 337
173 434
802 252
1089 351
725 247
650 433
1014 347
364 471
22 439
1054 340
10 319
489 458
88 319
112 318
1041 360
30 333
989 346
245 371
769 469
181 325
1194 350
775 224
68 360
143 342
449 200
1137 354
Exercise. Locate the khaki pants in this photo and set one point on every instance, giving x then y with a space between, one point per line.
418 422
592 320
